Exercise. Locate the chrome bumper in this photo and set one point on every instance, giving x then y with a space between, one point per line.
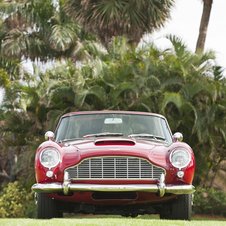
160 188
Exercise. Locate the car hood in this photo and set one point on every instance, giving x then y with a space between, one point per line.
154 151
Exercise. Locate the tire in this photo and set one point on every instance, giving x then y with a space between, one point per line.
181 208
165 216
47 208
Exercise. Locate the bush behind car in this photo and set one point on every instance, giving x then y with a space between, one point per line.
209 201
16 202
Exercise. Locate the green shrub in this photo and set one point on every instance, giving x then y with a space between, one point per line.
209 201
13 201
31 207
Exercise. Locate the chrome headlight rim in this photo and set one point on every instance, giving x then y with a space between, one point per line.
180 149
48 149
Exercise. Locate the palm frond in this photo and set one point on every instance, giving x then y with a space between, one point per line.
174 98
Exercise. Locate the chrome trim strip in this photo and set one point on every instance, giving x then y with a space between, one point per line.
151 188
66 183
114 188
180 189
47 188
161 185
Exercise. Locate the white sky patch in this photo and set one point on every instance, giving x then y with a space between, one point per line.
1 95
185 22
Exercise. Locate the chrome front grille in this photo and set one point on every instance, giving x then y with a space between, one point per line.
115 168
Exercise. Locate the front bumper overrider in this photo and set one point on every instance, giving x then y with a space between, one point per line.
161 188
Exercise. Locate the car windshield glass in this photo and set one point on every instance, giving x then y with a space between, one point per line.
136 126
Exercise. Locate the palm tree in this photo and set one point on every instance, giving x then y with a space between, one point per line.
195 109
9 69
125 78
207 6
9 66
22 118
112 18
41 30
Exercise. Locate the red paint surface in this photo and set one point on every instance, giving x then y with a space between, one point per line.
75 151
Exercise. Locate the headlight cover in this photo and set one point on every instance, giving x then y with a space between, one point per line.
180 158
50 157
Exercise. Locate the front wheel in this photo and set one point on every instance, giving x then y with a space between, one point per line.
47 207
181 208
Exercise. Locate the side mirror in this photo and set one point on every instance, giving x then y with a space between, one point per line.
49 135
177 137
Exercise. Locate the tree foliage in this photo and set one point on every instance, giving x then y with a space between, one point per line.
113 18
126 78
185 87
40 29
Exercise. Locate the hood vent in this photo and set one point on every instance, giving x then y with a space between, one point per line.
101 142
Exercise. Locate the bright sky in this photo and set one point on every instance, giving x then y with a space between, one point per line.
185 23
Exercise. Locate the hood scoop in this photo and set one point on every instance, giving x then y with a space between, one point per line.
114 141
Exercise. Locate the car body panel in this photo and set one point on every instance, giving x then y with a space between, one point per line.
74 152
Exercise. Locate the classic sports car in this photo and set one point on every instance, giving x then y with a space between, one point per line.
114 162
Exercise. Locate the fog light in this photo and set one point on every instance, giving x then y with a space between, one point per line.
180 174
49 173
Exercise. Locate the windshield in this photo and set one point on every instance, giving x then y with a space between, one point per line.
136 126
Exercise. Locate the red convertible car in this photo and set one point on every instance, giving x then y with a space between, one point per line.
114 162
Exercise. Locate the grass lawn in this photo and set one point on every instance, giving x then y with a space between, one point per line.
112 220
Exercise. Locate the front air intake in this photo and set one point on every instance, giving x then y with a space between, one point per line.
114 195
116 168
100 142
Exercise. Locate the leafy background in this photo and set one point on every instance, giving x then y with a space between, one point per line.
98 65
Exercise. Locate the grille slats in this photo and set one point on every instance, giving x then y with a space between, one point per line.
115 168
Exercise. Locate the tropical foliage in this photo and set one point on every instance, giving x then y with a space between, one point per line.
185 87
41 30
113 18
124 78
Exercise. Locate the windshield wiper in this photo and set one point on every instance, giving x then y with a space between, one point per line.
65 140
103 135
146 135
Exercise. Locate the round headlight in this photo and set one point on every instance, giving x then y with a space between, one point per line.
49 157
180 158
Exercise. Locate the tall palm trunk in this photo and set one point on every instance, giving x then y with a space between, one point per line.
207 6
